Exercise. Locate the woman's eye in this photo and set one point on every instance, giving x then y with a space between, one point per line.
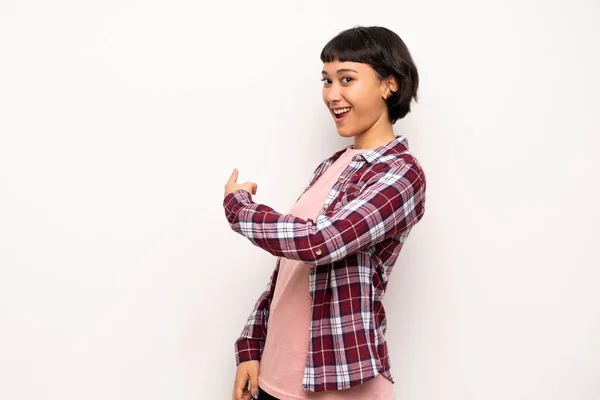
345 79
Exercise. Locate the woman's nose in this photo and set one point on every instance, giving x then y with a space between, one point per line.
333 94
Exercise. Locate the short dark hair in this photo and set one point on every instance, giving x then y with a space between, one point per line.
386 53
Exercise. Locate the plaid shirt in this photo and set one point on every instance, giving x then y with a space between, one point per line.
350 249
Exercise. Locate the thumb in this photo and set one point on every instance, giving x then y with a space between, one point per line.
254 383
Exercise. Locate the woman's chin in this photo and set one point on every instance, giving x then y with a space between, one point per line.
345 133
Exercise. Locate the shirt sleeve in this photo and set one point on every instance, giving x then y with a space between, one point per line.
251 342
391 202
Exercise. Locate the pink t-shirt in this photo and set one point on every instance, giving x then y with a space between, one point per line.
288 333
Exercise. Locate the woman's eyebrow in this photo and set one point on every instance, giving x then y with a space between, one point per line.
340 70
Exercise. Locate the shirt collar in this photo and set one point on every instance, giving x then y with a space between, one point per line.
397 146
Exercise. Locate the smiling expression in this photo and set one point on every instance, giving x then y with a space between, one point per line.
353 94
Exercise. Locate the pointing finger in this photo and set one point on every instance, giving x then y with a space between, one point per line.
234 176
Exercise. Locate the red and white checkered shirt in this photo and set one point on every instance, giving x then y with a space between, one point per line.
351 249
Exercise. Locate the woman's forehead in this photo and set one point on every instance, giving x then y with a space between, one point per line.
335 67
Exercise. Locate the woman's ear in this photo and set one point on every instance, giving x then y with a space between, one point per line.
390 87
392 84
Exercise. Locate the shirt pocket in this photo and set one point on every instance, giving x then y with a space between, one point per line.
350 191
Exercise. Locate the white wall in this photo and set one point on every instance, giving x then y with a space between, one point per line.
120 122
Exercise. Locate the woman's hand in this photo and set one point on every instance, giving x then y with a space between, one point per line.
246 371
232 185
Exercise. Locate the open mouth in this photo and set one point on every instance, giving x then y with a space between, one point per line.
340 114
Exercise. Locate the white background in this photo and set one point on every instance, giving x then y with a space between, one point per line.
120 122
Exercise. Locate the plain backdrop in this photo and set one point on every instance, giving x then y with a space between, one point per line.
120 122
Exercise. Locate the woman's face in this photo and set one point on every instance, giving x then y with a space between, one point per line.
353 95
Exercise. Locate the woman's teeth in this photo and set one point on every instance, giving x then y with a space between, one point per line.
341 110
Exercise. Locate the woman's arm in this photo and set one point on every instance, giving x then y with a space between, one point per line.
250 344
391 202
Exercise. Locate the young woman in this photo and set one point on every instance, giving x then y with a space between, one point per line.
337 247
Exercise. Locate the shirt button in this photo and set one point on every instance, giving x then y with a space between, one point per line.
318 252
342 179
324 206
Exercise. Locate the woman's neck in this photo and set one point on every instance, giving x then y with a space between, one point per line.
379 134
372 140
